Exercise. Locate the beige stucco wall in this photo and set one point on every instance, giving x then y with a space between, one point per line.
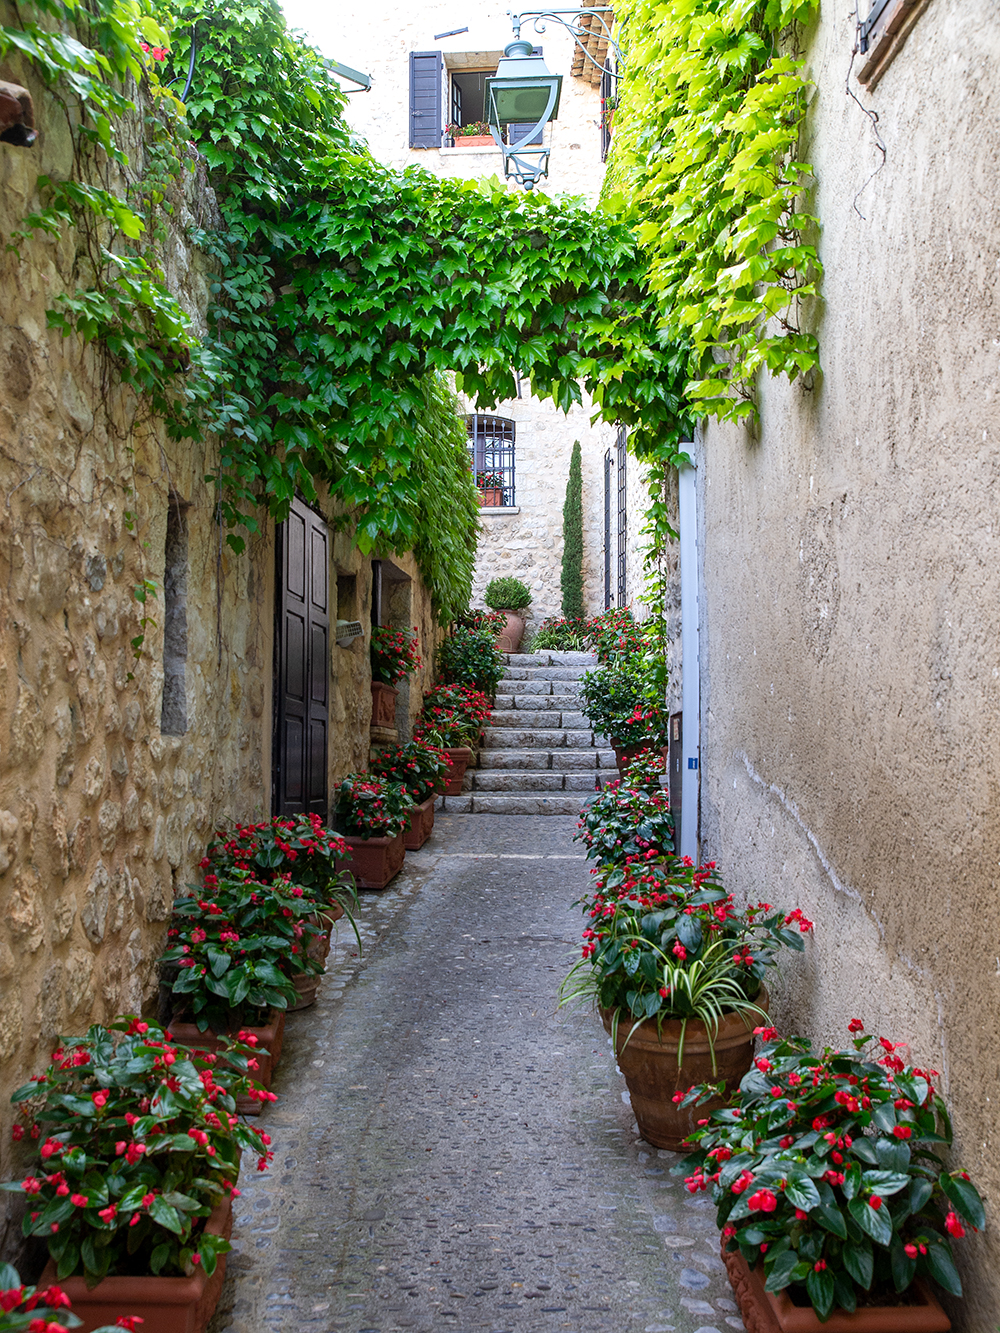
851 594
102 816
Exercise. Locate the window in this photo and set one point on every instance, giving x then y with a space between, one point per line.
491 457
882 35
173 710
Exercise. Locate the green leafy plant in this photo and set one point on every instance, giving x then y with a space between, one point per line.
141 1141
624 821
611 696
237 943
826 1169
507 594
297 849
470 657
452 715
572 558
475 127
393 654
665 940
419 767
490 622
559 634
372 807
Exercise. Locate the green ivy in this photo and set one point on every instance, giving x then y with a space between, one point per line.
705 159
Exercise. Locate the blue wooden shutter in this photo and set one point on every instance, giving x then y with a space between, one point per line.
425 99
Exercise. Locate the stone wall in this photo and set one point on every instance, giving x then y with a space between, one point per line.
109 788
851 592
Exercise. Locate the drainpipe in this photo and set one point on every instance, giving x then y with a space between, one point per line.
691 681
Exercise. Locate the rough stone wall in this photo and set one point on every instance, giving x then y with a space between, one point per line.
104 814
851 592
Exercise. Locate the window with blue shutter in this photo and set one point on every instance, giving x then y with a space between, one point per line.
425 99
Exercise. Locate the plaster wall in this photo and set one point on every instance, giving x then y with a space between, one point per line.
850 593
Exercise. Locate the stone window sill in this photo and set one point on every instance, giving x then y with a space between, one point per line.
450 152
499 509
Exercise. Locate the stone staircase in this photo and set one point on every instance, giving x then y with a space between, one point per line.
540 756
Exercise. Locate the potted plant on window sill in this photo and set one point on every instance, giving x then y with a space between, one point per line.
677 972
139 1157
393 655
419 768
474 135
512 597
833 1202
490 486
373 812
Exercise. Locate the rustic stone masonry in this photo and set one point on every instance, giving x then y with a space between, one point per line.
540 755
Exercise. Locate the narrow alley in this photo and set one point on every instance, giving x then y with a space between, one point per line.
451 1151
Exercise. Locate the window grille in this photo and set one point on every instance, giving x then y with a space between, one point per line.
607 112
622 518
608 470
491 457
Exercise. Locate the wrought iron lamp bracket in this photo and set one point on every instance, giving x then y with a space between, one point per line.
574 27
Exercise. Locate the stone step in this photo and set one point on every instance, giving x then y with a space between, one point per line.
551 658
536 703
548 718
545 673
520 738
532 780
478 803
564 760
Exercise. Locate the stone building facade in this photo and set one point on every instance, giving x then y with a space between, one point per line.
850 590
129 732
523 536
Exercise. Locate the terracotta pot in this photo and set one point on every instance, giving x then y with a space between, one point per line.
491 497
165 1304
374 861
421 824
624 753
773 1312
383 704
270 1039
510 640
649 1065
474 141
461 758
307 983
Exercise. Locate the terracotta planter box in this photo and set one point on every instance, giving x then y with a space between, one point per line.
461 758
421 824
383 704
491 497
165 1304
270 1038
649 1065
307 983
773 1312
474 141
374 861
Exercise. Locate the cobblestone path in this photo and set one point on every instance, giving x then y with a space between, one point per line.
451 1152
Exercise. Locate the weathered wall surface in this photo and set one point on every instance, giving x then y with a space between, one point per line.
851 593
107 797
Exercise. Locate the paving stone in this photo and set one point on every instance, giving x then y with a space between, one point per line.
606 759
581 782
517 780
579 740
575 720
574 759
451 1150
515 759
525 804
518 685
513 738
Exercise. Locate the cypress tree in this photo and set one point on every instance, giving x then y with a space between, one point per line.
572 561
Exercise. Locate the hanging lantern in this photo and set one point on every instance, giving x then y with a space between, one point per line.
522 97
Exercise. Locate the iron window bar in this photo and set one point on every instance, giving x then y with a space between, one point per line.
620 444
491 457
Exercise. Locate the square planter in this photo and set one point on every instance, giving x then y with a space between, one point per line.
165 1304
421 825
461 758
307 983
383 704
270 1038
374 861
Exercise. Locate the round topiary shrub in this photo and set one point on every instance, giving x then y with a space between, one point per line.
507 594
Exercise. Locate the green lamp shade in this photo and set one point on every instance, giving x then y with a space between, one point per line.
523 100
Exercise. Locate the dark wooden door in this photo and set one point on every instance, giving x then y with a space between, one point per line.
301 664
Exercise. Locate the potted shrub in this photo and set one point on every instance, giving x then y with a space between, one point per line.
677 971
470 657
393 655
301 850
373 813
234 947
617 703
28 1309
452 719
510 596
139 1155
624 822
474 135
834 1204
420 769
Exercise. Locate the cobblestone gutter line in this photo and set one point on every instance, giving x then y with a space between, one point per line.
450 1151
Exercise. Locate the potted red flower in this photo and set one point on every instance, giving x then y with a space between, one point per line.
373 813
452 719
393 655
139 1155
419 768
28 1309
833 1201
